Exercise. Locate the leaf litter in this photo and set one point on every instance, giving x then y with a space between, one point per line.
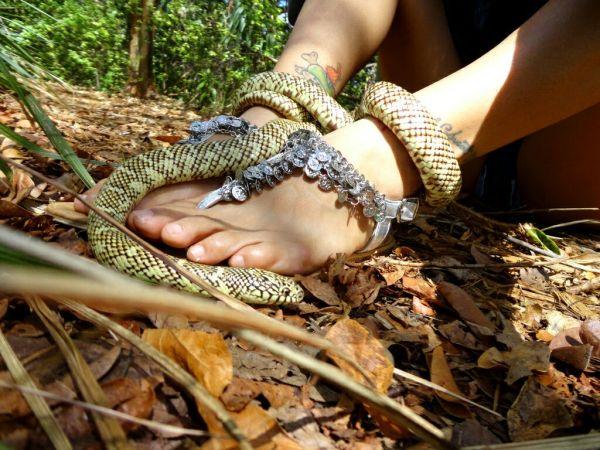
444 304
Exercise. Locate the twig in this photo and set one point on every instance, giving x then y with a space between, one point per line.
393 410
416 379
152 424
549 254
433 264
568 224
538 210
39 407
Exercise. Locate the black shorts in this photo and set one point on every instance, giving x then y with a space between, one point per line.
477 26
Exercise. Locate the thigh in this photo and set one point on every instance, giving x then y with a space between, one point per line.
559 167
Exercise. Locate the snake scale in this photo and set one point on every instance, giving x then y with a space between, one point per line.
296 99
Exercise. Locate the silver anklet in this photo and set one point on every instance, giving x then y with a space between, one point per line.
307 150
231 125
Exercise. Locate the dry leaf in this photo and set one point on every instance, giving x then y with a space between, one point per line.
419 287
204 355
521 360
260 428
590 334
391 273
239 393
536 413
321 290
441 374
355 341
464 305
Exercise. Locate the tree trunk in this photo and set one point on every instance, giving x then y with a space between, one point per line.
140 48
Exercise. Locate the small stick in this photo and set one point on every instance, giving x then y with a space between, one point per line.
398 373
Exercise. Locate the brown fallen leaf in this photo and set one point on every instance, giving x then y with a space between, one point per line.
169 139
9 210
321 290
422 307
442 375
239 393
260 428
356 341
134 397
420 288
204 355
464 305
536 413
391 273
522 360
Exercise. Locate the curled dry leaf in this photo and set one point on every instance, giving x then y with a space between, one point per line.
464 305
590 334
204 355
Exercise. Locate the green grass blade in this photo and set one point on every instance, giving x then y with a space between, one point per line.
25 143
6 170
36 110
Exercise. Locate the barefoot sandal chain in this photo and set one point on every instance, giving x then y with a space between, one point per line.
318 160
234 126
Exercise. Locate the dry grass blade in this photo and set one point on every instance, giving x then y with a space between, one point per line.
110 429
140 297
582 442
227 299
397 413
152 424
415 379
61 258
40 408
195 389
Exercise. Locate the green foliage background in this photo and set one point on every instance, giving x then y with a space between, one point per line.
202 49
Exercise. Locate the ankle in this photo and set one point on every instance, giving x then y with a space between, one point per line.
374 150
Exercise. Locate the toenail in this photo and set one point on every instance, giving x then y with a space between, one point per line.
237 261
197 253
144 215
174 228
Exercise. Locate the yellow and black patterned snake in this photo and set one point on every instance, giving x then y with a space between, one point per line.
296 99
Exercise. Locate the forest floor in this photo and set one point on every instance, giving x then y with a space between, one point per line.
460 299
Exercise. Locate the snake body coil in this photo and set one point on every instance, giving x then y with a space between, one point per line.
186 162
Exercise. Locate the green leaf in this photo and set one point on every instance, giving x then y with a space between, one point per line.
542 239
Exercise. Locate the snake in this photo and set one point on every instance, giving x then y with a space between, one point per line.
295 98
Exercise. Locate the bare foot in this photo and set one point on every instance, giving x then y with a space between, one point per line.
291 228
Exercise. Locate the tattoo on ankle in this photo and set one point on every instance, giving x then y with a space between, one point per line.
462 144
324 77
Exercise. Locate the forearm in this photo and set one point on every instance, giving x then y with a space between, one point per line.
545 71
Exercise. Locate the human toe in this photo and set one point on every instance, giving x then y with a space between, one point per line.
283 257
220 246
